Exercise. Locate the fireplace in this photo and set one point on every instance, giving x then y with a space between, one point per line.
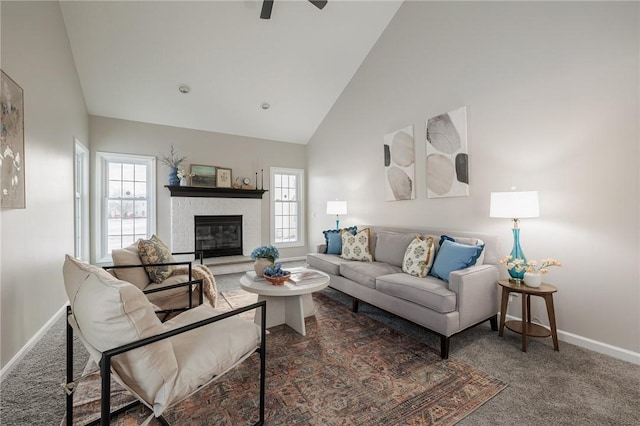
219 235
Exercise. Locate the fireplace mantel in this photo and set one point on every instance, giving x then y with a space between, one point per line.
193 191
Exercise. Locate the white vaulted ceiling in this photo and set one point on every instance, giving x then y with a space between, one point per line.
131 56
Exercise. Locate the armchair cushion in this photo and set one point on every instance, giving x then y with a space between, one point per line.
130 256
110 313
155 251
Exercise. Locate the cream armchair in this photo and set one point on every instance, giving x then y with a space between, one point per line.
161 364
174 288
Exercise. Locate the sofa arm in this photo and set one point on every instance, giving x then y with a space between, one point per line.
477 293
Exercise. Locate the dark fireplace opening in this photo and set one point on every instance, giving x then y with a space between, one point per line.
219 235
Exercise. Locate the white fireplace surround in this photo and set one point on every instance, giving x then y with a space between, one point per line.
184 209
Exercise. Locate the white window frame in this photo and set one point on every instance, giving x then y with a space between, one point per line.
102 194
301 202
81 201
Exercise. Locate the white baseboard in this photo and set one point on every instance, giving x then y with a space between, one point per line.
593 345
31 343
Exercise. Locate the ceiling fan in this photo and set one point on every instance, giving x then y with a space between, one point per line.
267 5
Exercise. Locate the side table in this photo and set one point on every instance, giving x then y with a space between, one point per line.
525 327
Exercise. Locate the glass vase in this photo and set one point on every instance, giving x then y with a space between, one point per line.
516 253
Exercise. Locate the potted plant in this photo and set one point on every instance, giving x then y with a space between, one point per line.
264 256
532 271
173 161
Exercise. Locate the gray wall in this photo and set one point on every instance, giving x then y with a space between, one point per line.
36 54
243 155
552 95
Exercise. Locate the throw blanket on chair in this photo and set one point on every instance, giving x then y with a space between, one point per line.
201 272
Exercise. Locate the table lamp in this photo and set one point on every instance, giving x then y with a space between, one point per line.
337 207
515 205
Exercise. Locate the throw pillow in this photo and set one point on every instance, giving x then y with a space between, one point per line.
356 247
154 251
333 239
418 257
469 242
130 256
454 256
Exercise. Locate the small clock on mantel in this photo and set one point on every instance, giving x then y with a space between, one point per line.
246 183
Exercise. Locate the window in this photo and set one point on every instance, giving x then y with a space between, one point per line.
287 213
81 205
126 201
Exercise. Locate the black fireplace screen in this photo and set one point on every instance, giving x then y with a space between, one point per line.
219 235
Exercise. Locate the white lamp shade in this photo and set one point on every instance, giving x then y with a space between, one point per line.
336 207
514 204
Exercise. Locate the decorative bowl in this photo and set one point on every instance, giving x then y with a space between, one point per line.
277 280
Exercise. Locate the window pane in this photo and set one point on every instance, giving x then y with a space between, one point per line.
278 222
141 173
140 208
277 208
127 172
141 226
127 189
278 194
127 227
140 189
292 181
113 243
114 209
115 171
114 227
278 180
114 189
127 209
127 240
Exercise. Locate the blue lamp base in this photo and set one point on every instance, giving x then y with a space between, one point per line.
517 253
337 223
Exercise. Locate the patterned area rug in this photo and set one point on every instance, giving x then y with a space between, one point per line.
348 370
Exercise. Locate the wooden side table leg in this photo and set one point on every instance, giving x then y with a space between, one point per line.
525 299
503 309
552 320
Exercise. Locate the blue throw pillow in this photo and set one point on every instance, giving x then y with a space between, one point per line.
453 256
333 239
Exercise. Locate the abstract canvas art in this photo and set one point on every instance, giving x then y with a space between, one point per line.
12 144
399 165
447 155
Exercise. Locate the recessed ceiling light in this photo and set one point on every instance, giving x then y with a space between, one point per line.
183 88
266 105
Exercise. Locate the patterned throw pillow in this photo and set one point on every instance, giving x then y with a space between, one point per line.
419 257
154 251
333 239
356 247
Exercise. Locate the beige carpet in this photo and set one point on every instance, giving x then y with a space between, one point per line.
348 370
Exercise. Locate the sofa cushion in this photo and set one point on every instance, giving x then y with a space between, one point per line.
333 239
356 247
110 313
329 263
130 256
418 258
366 273
391 246
153 251
453 256
429 292
467 241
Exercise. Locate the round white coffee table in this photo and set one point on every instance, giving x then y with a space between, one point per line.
287 304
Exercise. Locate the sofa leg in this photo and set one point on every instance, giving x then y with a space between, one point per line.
444 347
355 304
494 322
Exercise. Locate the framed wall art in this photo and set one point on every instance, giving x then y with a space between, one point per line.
399 165
203 176
12 144
447 155
223 177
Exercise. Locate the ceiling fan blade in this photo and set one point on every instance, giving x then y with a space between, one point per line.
319 3
267 5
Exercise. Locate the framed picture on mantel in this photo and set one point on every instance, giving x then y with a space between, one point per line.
203 176
223 177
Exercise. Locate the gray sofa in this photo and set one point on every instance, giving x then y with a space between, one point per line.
469 298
